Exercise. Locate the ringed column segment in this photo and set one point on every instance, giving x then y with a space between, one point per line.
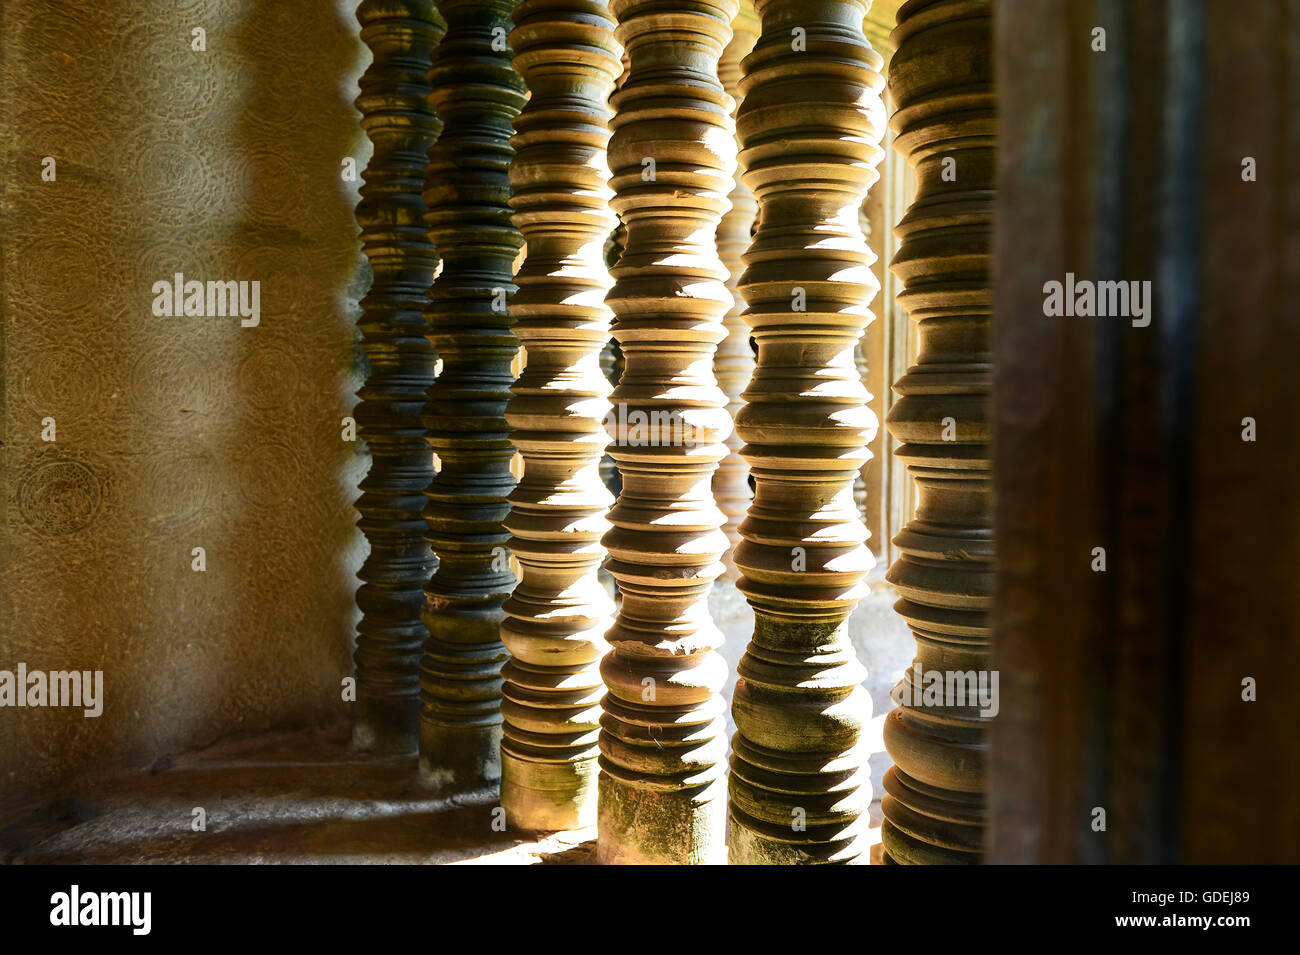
734 362
401 125
810 125
672 155
558 614
477 93
942 83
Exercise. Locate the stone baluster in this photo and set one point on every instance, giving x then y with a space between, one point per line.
611 358
941 81
558 614
672 155
401 125
860 479
810 124
477 94
734 363
608 470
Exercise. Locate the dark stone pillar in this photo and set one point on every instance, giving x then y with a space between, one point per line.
1166 443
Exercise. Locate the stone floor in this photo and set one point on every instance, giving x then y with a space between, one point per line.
278 798
309 797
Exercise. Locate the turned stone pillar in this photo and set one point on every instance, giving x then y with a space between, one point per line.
477 94
610 366
611 358
941 81
558 614
809 125
734 362
401 125
672 155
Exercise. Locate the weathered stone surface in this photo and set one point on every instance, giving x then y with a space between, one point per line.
297 798
1161 690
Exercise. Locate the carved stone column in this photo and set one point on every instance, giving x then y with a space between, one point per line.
611 358
610 361
941 81
400 123
672 155
734 362
477 94
809 126
860 479
557 616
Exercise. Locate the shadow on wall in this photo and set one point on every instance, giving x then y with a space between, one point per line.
175 433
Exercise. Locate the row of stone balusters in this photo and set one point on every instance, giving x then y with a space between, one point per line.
582 713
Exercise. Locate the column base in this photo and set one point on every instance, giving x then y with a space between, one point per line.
548 796
926 825
457 759
387 725
902 849
749 845
643 826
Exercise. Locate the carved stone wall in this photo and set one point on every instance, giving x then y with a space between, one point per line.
176 433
